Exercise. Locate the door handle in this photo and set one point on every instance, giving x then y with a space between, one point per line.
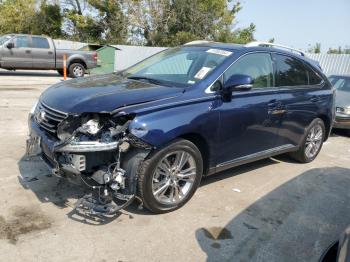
276 107
50 52
28 51
278 112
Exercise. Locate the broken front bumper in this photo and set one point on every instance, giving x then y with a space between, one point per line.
97 163
75 157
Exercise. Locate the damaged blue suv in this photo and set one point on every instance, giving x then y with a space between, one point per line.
152 131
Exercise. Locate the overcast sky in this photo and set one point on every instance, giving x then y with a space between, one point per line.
299 23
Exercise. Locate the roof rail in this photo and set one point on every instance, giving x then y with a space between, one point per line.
198 42
266 44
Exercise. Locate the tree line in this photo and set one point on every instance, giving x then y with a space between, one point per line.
138 22
316 49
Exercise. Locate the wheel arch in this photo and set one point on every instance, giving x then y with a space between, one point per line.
201 143
78 61
198 140
327 123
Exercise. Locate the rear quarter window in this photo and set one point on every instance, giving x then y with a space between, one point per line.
290 71
314 77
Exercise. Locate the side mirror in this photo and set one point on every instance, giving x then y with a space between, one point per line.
10 45
238 83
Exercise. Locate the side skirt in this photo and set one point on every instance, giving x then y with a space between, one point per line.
252 158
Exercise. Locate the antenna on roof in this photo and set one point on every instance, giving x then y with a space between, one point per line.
266 44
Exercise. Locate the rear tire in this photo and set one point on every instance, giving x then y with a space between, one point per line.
312 142
168 179
76 70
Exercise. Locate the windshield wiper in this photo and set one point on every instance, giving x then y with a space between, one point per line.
151 80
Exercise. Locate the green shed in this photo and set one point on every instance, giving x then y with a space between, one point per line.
105 60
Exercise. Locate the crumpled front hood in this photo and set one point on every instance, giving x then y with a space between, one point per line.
342 99
103 93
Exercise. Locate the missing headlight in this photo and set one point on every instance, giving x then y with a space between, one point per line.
91 127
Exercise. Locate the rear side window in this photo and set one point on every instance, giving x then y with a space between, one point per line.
258 66
314 78
290 71
21 41
40 42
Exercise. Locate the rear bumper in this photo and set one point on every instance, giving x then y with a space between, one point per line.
91 64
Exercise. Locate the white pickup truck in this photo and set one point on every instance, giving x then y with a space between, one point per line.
18 51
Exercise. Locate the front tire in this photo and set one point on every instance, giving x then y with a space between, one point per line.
312 142
76 70
169 178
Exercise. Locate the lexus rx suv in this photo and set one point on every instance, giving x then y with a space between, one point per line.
153 130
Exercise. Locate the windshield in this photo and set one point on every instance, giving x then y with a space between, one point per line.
342 84
4 38
181 66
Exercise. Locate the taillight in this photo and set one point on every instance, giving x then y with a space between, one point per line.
94 56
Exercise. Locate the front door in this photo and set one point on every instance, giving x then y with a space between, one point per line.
249 126
20 56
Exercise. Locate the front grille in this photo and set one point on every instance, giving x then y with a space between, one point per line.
49 118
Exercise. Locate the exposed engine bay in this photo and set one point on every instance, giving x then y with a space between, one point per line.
100 149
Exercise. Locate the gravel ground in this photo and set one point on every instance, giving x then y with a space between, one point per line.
272 210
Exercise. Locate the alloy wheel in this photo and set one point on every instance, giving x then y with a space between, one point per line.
313 141
174 177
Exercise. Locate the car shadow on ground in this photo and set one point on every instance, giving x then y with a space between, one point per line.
340 132
295 222
35 176
29 73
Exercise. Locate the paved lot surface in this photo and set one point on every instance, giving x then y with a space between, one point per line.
272 210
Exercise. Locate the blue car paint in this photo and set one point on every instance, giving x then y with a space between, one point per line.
231 130
103 94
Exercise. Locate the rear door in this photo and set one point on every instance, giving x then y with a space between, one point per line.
43 53
19 57
248 128
301 96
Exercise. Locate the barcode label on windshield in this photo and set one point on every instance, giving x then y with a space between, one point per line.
202 73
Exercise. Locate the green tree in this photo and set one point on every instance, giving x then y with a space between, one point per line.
102 21
17 16
48 20
339 50
150 20
169 23
316 49
80 25
112 20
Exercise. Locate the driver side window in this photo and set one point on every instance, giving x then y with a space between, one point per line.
258 66
21 41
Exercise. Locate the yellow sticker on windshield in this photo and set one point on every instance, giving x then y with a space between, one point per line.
202 73
219 52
